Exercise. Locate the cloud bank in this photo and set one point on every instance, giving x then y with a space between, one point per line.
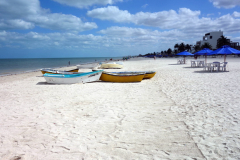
185 19
225 3
24 14
86 3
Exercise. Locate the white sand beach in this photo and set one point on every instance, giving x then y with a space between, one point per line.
181 113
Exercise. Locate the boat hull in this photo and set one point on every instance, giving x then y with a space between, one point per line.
111 66
57 71
73 78
122 77
149 74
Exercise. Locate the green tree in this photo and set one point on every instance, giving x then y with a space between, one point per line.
206 45
222 41
196 48
188 47
181 47
176 46
169 51
175 51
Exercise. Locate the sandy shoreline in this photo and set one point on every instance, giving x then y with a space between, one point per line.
182 113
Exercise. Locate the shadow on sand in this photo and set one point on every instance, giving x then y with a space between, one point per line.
175 64
214 72
193 67
45 83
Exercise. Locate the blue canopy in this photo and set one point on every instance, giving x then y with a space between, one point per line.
204 51
226 50
184 53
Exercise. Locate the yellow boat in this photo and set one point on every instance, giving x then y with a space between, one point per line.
49 70
110 66
122 77
149 74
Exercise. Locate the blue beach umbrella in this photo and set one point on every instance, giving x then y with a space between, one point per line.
184 54
224 50
204 51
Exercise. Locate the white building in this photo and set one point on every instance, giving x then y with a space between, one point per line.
211 38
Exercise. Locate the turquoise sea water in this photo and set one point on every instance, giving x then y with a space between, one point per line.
15 66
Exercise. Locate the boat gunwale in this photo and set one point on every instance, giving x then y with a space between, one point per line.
71 75
124 73
55 71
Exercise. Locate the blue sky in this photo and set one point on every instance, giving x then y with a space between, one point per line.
110 28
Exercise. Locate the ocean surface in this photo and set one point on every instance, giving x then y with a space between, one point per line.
16 66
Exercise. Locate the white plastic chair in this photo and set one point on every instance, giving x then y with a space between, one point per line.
211 67
179 61
207 66
193 64
216 66
201 64
224 66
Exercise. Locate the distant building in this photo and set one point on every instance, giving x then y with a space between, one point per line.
235 45
211 38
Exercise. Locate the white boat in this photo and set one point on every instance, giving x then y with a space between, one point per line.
111 65
88 66
73 78
53 71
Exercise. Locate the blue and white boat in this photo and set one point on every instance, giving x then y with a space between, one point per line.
73 78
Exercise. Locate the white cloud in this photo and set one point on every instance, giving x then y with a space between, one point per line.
24 14
15 9
111 13
225 3
165 19
85 3
210 14
49 40
15 23
113 37
236 14
185 19
57 21
142 35
145 5
125 31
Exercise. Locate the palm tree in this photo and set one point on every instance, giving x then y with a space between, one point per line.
196 48
188 47
169 51
206 45
175 51
181 47
176 46
222 41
